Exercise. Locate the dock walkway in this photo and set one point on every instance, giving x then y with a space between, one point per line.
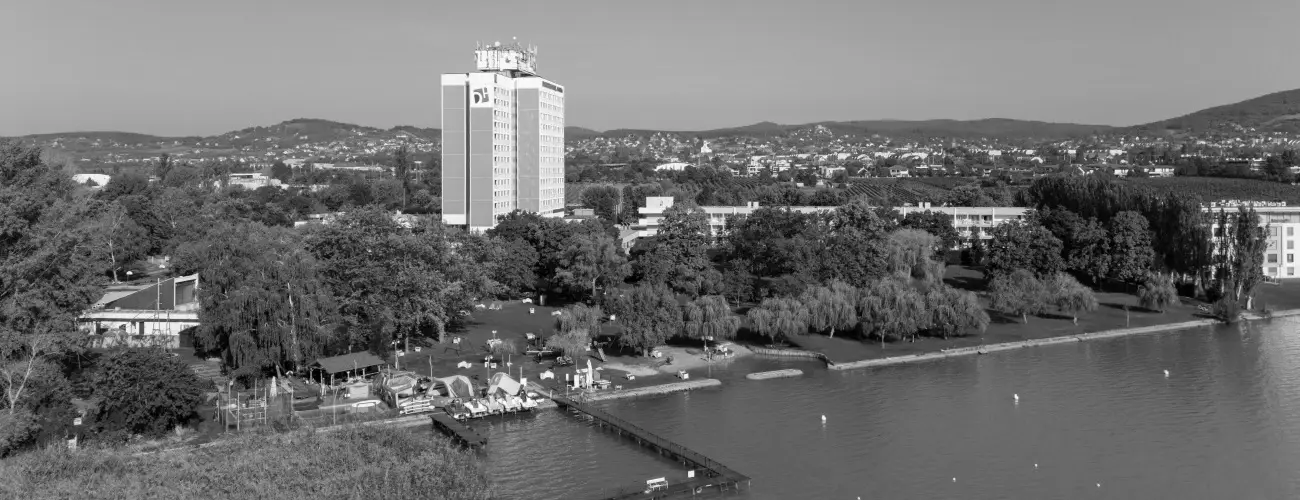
457 430
710 475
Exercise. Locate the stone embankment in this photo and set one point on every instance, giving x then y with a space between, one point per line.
633 392
790 353
1007 346
774 374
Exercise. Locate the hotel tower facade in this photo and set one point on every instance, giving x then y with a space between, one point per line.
502 139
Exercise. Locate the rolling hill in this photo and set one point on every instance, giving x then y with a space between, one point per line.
1279 111
999 128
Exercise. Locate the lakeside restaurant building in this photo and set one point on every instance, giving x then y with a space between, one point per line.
964 219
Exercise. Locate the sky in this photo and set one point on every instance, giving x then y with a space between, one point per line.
188 67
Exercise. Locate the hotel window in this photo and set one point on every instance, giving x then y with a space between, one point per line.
1290 258
1290 271
1272 271
1290 231
1272 258
1290 245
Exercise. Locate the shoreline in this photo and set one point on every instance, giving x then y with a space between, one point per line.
649 390
1008 346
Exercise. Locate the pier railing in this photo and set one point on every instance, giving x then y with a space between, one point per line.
712 468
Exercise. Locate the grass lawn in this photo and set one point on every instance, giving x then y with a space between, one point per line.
1109 315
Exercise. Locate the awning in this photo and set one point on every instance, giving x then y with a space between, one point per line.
354 361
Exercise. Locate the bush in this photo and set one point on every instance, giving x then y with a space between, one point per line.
1227 310
353 463
145 391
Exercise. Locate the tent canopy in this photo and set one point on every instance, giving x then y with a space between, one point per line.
503 383
354 361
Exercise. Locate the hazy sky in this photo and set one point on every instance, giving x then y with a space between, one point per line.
181 67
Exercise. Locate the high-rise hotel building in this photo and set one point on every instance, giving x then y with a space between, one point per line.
502 139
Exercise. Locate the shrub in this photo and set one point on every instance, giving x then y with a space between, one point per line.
1227 310
144 391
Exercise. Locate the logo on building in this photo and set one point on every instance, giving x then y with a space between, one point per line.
480 97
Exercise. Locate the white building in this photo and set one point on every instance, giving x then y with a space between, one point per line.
1281 223
144 315
502 139
964 219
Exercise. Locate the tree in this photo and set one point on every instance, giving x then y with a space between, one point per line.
1070 297
50 272
392 282
281 172
737 282
263 303
1023 245
778 317
649 315
911 251
831 307
402 170
938 224
124 240
145 391
710 317
1130 247
603 200
1157 293
163 167
580 317
1019 293
678 254
954 312
892 308
590 260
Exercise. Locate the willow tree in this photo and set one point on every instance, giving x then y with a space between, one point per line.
892 308
1019 293
710 317
1069 296
649 315
954 312
831 307
779 317
1157 293
263 303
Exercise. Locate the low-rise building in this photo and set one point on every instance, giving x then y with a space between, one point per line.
1281 222
144 315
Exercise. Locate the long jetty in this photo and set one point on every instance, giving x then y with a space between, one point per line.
710 476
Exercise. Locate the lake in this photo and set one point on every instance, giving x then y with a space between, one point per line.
1095 419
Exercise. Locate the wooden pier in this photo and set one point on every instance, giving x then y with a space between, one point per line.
457 430
710 476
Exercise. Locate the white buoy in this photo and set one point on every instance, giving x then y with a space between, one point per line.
954 479
1166 373
1098 485
1035 465
823 418
1016 396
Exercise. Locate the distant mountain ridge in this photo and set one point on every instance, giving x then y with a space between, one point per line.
1279 111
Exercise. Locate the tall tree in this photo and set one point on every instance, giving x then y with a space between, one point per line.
891 308
392 282
710 316
649 315
831 307
50 272
1130 247
1023 245
402 169
1019 293
263 303
678 254
954 312
1069 296
144 391
590 260
779 317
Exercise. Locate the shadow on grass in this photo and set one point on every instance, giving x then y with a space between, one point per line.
1001 318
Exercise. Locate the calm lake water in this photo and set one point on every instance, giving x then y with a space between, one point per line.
1224 424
